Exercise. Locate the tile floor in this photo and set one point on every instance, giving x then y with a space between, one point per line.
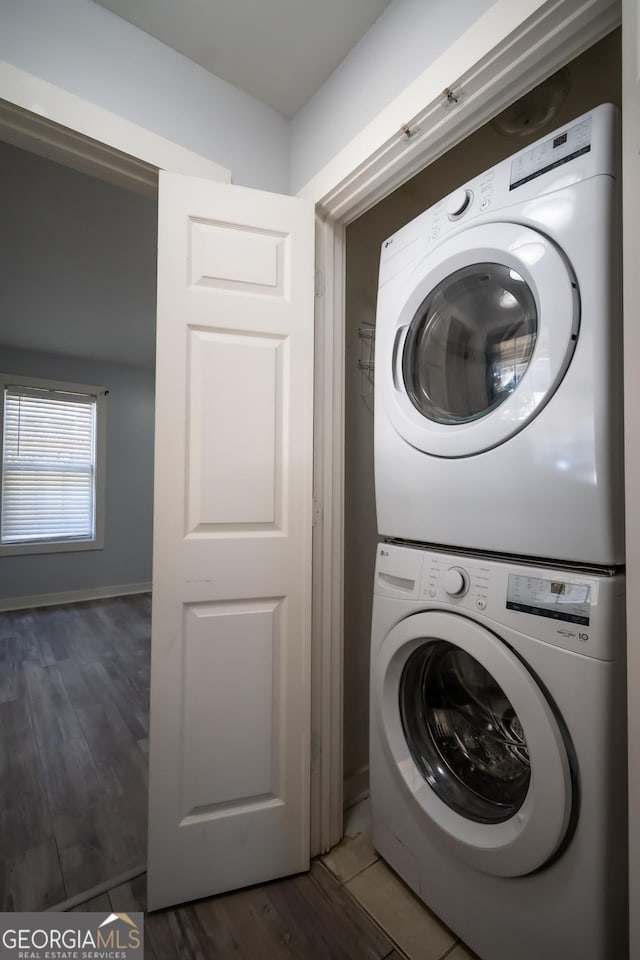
415 931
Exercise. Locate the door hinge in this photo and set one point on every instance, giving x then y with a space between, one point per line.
316 512
319 284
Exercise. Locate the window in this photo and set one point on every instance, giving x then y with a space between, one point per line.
52 466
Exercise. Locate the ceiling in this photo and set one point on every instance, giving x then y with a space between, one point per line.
279 51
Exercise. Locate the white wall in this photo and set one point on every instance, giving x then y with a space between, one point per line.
88 51
403 42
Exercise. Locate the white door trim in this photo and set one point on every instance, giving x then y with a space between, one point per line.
555 33
51 122
510 49
631 336
328 534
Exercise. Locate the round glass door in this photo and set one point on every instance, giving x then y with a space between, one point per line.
467 733
473 339
463 733
470 343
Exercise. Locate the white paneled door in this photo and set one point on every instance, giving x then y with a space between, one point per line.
230 663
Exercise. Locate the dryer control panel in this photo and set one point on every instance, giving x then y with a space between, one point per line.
546 155
578 151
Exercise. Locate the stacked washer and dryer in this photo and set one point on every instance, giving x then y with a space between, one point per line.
497 734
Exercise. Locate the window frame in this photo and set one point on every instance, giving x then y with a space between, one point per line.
66 545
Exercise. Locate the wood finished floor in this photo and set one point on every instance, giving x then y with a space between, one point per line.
307 917
74 706
74 709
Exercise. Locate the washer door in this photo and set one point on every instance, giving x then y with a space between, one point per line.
471 735
481 341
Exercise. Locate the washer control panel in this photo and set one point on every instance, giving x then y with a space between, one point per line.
456 581
573 609
557 599
466 584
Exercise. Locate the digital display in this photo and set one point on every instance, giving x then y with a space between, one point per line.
556 599
549 154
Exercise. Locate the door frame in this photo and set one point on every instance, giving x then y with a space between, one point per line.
51 122
517 47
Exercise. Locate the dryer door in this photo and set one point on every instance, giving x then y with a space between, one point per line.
474 739
476 339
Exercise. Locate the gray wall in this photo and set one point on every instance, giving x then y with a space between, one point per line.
77 303
126 557
594 78
77 263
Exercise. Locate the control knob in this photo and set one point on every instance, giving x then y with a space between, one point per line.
456 582
458 203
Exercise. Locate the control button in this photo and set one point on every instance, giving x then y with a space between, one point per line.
456 582
458 203
432 591
481 603
485 204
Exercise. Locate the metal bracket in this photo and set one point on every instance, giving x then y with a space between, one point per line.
453 96
409 131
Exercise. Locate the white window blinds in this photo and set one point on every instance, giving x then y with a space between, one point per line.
49 465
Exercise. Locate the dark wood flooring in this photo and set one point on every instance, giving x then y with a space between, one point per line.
307 917
74 693
74 723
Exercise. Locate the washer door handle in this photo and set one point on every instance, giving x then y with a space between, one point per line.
396 358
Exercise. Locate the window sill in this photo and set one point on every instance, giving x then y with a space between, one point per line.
50 546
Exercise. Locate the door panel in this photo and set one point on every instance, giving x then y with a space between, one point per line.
235 463
230 697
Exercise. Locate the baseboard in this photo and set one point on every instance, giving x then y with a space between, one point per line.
355 787
73 596
98 890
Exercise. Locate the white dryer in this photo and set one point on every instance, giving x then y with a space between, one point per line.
498 391
497 749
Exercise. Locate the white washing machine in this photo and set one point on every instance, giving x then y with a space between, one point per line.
497 753
498 379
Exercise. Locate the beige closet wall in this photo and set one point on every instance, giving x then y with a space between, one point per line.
594 77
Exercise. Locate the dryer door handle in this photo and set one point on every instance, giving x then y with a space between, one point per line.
396 358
